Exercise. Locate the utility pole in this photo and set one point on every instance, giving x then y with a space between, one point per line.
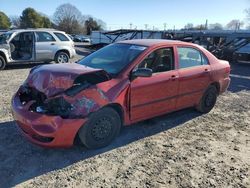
206 24
165 26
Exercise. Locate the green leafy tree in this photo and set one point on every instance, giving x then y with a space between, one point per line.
46 22
91 25
32 19
4 21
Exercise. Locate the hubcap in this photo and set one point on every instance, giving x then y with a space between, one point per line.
62 58
101 129
210 99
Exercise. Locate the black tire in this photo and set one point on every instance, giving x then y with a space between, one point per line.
2 63
208 100
101 128
61 57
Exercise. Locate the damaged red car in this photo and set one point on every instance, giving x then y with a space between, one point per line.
118 85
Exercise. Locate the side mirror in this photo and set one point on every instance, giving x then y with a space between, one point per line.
142 72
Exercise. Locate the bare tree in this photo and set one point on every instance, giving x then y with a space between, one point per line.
189 26
15 21
102 24
234 24
69 19
215 26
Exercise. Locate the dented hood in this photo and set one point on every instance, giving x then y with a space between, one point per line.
56 78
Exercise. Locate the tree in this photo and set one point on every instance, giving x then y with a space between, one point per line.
46 22
30 18
15 21
189 26
4 21
247 11
200 27
91 24
69 19
215 26
234 25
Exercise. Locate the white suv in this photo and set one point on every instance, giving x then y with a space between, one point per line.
35 45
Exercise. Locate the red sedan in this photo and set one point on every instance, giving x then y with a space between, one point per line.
120 84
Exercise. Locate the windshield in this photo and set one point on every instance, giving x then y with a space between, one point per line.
113 58
4 37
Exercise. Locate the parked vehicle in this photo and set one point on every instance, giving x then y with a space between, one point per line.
120 84
82 38
31 45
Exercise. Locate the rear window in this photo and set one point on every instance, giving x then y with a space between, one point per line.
61 36
44 37
190 57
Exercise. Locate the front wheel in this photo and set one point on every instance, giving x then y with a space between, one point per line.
62 57
2 63
208 100
101 128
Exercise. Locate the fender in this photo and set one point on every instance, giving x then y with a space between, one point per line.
4 50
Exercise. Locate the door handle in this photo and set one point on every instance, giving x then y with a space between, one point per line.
52 44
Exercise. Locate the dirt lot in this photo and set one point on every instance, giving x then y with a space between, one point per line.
182 149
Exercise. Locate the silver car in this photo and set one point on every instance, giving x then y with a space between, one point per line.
35 45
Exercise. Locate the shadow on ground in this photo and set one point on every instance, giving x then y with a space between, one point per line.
23 65
21 161
240 77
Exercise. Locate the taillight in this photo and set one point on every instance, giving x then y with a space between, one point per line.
227 70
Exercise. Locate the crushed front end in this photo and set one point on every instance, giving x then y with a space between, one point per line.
49 130
50 112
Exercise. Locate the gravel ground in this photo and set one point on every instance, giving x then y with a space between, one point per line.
182 149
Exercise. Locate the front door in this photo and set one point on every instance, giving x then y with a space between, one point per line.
22 47
155 95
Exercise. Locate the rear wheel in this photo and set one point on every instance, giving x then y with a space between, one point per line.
2 63
62 57
208 100
101 128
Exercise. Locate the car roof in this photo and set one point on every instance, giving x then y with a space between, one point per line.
32 30
153 42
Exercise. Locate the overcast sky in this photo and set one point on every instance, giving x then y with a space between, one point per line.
120 13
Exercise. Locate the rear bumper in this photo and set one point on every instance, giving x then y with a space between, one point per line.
72 53
45 130
224 84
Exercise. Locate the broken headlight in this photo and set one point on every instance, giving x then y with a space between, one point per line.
56 106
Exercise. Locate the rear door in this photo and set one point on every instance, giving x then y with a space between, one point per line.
45 46
157 94
194 75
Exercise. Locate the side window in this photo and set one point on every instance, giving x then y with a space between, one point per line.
44 37
160 60
61 36
190 57
204 60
